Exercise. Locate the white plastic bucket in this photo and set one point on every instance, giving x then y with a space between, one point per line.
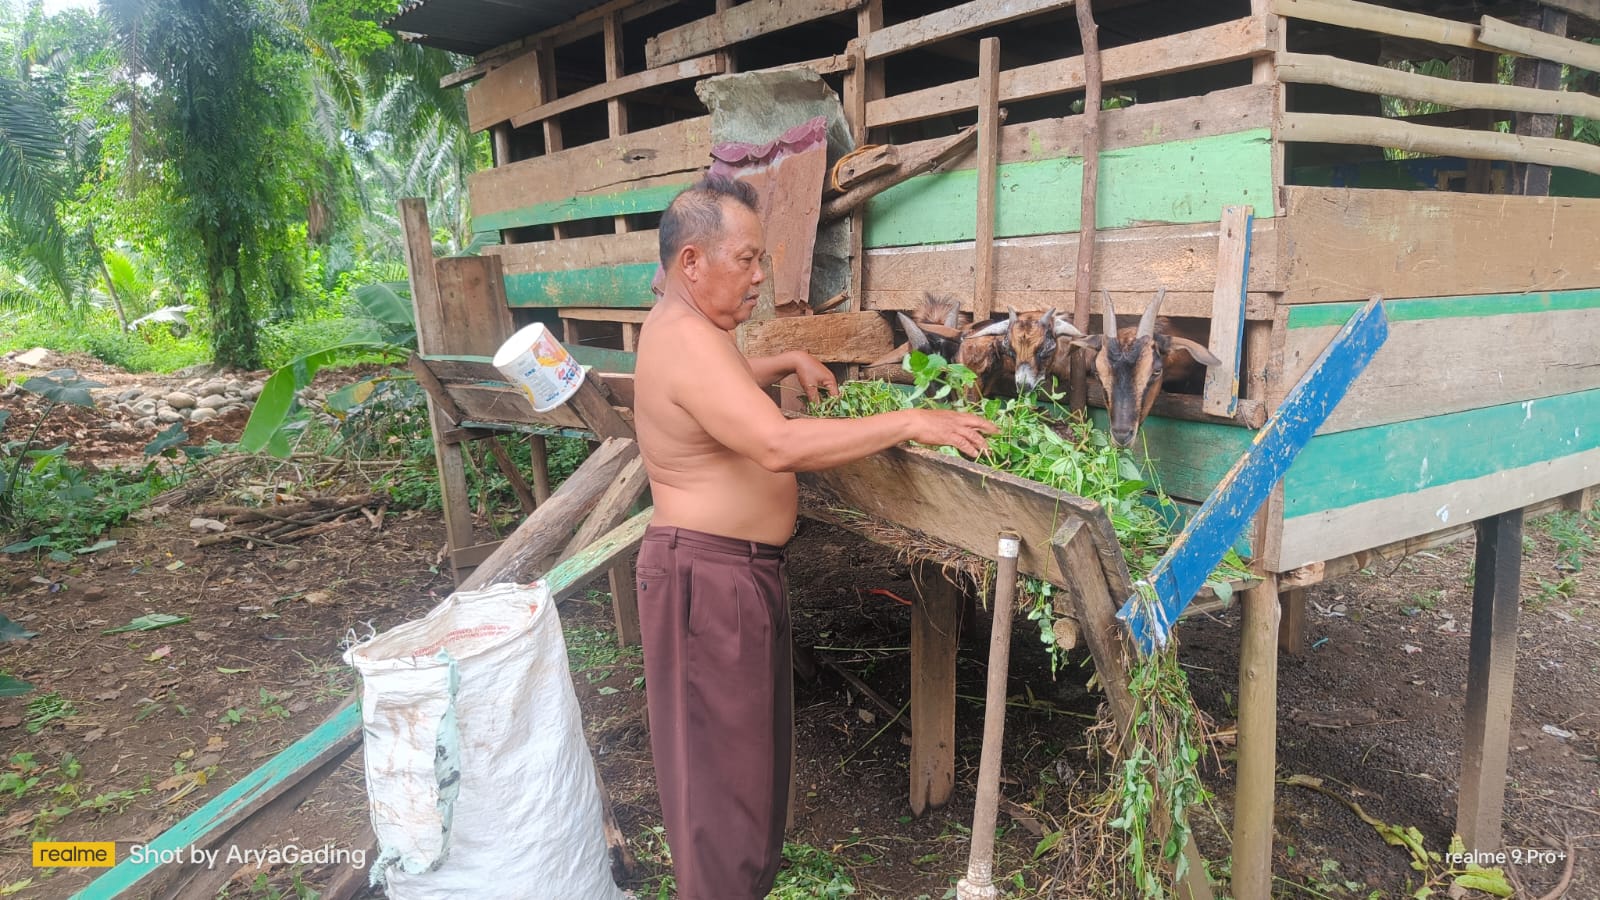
536 362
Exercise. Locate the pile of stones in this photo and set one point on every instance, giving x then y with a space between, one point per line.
197 401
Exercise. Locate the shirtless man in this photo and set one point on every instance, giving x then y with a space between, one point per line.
712 594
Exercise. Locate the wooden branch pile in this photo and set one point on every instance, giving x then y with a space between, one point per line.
281 526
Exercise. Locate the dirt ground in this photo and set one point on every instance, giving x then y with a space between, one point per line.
1372 707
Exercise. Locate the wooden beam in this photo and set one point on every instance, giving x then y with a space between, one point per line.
577 253
1212 45
472 296
616 108
638 81
1181 257
740 23
1508 38
1434 244
629 484
935 636
585 24
988 165
669 155
832 338
503 92
1491 670
948 23
597 412
1292 621
1394 22
1221 392
1302 68
875 160
1371 131
931 154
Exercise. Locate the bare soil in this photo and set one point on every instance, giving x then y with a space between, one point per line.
1373 707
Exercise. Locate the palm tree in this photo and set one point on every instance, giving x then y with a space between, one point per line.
33 156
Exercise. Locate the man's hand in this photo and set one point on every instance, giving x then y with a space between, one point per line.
813 375
948 428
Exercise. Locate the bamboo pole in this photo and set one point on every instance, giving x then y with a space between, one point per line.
979 881
1091 178
1374 132
1369 17
1508 38
1258 742
1305 68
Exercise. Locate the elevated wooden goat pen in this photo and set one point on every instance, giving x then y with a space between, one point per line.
1230 120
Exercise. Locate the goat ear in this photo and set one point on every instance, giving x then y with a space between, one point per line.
993 328
914 334
1064 328
1201 354
1092 342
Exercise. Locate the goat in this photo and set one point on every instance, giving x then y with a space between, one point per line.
1031 345
1134 363
1011 355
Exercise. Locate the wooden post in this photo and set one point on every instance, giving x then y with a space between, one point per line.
539 451
1258 742
1532 179
1083 281
935 634
867 81
1480 172
1292 627
430 316
988 165
1491 668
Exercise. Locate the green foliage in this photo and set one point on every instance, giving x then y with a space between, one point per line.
48 708
810 873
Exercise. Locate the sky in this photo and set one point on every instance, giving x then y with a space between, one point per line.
54 6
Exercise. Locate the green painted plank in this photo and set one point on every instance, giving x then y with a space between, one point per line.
221 810
345 724
1324 315
603 359
618 287
1190 458
643 200
1173 182
1351 467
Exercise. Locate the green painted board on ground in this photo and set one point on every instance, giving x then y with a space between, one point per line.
625 286
1172 182
603 359
643 200
1323 315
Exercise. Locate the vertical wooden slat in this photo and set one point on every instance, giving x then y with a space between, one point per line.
1221 393
935 633
547 93
1264 70
1534 180
1492 666
855 112
988 164
728 55
1258 741
539 449
1083 277
616 108
430 316
1480 172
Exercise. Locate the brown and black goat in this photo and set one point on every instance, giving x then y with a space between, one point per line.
1017 353
1133 364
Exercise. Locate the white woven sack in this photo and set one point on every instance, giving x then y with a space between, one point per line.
478 776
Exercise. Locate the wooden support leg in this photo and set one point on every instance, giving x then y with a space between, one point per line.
1292 629
502 459
1493 663
1258 743
625 606
935 634
541 467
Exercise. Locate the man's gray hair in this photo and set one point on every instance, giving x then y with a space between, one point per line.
695 216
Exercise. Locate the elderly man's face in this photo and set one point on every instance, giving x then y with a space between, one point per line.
730 273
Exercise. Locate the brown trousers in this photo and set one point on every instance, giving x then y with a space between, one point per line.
714 612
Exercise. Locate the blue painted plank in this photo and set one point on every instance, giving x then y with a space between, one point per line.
1161 597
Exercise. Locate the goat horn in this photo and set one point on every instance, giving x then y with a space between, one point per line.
1147 324
1108 315
1049 315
